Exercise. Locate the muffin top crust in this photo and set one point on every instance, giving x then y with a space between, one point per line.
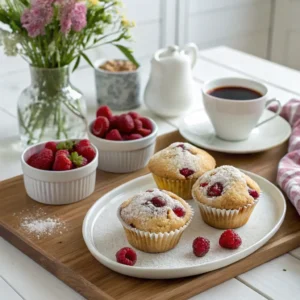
181 161
155 211
226 187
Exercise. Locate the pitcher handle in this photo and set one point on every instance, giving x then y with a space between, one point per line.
275 115
191 50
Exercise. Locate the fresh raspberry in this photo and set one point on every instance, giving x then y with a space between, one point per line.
253 193
78 160
186 172
62 152
51 146
215 190
134 115
114 135
158 201
126 256
204 184
124 136
144 132
88 152
138 124
113 122
230 239
100 126
179 212
104 111
146 123
134 136
43 160
200 246
32 158
125 123
62 162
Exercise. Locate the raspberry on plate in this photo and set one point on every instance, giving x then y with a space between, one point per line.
104 111
88 152
125 123
146 123
51 146
201 246
179 212
230 239
62 162
114 135
100 126
42 160
126 256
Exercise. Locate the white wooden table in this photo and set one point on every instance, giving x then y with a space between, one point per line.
20 277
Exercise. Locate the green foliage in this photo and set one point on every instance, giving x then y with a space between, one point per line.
105 25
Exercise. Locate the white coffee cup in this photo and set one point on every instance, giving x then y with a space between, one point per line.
234 120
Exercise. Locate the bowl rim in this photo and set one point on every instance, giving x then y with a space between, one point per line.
130 142
97 63
52 171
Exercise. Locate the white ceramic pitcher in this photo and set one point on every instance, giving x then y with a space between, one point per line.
171 88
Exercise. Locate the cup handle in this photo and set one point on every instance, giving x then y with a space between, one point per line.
275 115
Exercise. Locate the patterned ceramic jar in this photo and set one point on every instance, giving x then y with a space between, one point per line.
118 90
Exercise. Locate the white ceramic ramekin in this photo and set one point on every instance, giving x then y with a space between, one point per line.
58 187
124 156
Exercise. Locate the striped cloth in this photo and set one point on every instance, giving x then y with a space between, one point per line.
288 176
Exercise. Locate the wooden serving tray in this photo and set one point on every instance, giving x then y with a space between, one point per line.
67 257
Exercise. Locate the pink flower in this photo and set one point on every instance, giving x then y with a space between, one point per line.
37 17
78 16
73 16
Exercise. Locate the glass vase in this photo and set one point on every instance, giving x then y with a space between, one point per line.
51 108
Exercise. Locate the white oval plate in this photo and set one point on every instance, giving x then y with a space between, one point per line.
197 128
104 235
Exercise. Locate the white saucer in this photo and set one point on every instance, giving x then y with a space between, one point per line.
197 128
104 235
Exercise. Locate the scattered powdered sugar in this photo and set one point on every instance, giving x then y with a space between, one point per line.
109 237
142 207
224 175
181 156
36 222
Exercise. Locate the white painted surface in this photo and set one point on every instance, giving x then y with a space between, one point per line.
7 292
32 281
286 33
278 279
231 289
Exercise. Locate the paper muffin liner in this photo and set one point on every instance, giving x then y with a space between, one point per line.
182 188
226 218
153 242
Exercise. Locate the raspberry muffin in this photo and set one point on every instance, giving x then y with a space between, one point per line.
226 197
154 220
177 167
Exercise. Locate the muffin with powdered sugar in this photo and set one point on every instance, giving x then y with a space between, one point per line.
226 197
154 220
177 167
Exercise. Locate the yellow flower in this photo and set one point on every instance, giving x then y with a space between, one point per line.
93 2
126 23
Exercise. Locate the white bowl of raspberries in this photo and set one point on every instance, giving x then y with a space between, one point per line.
60 172
125 142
